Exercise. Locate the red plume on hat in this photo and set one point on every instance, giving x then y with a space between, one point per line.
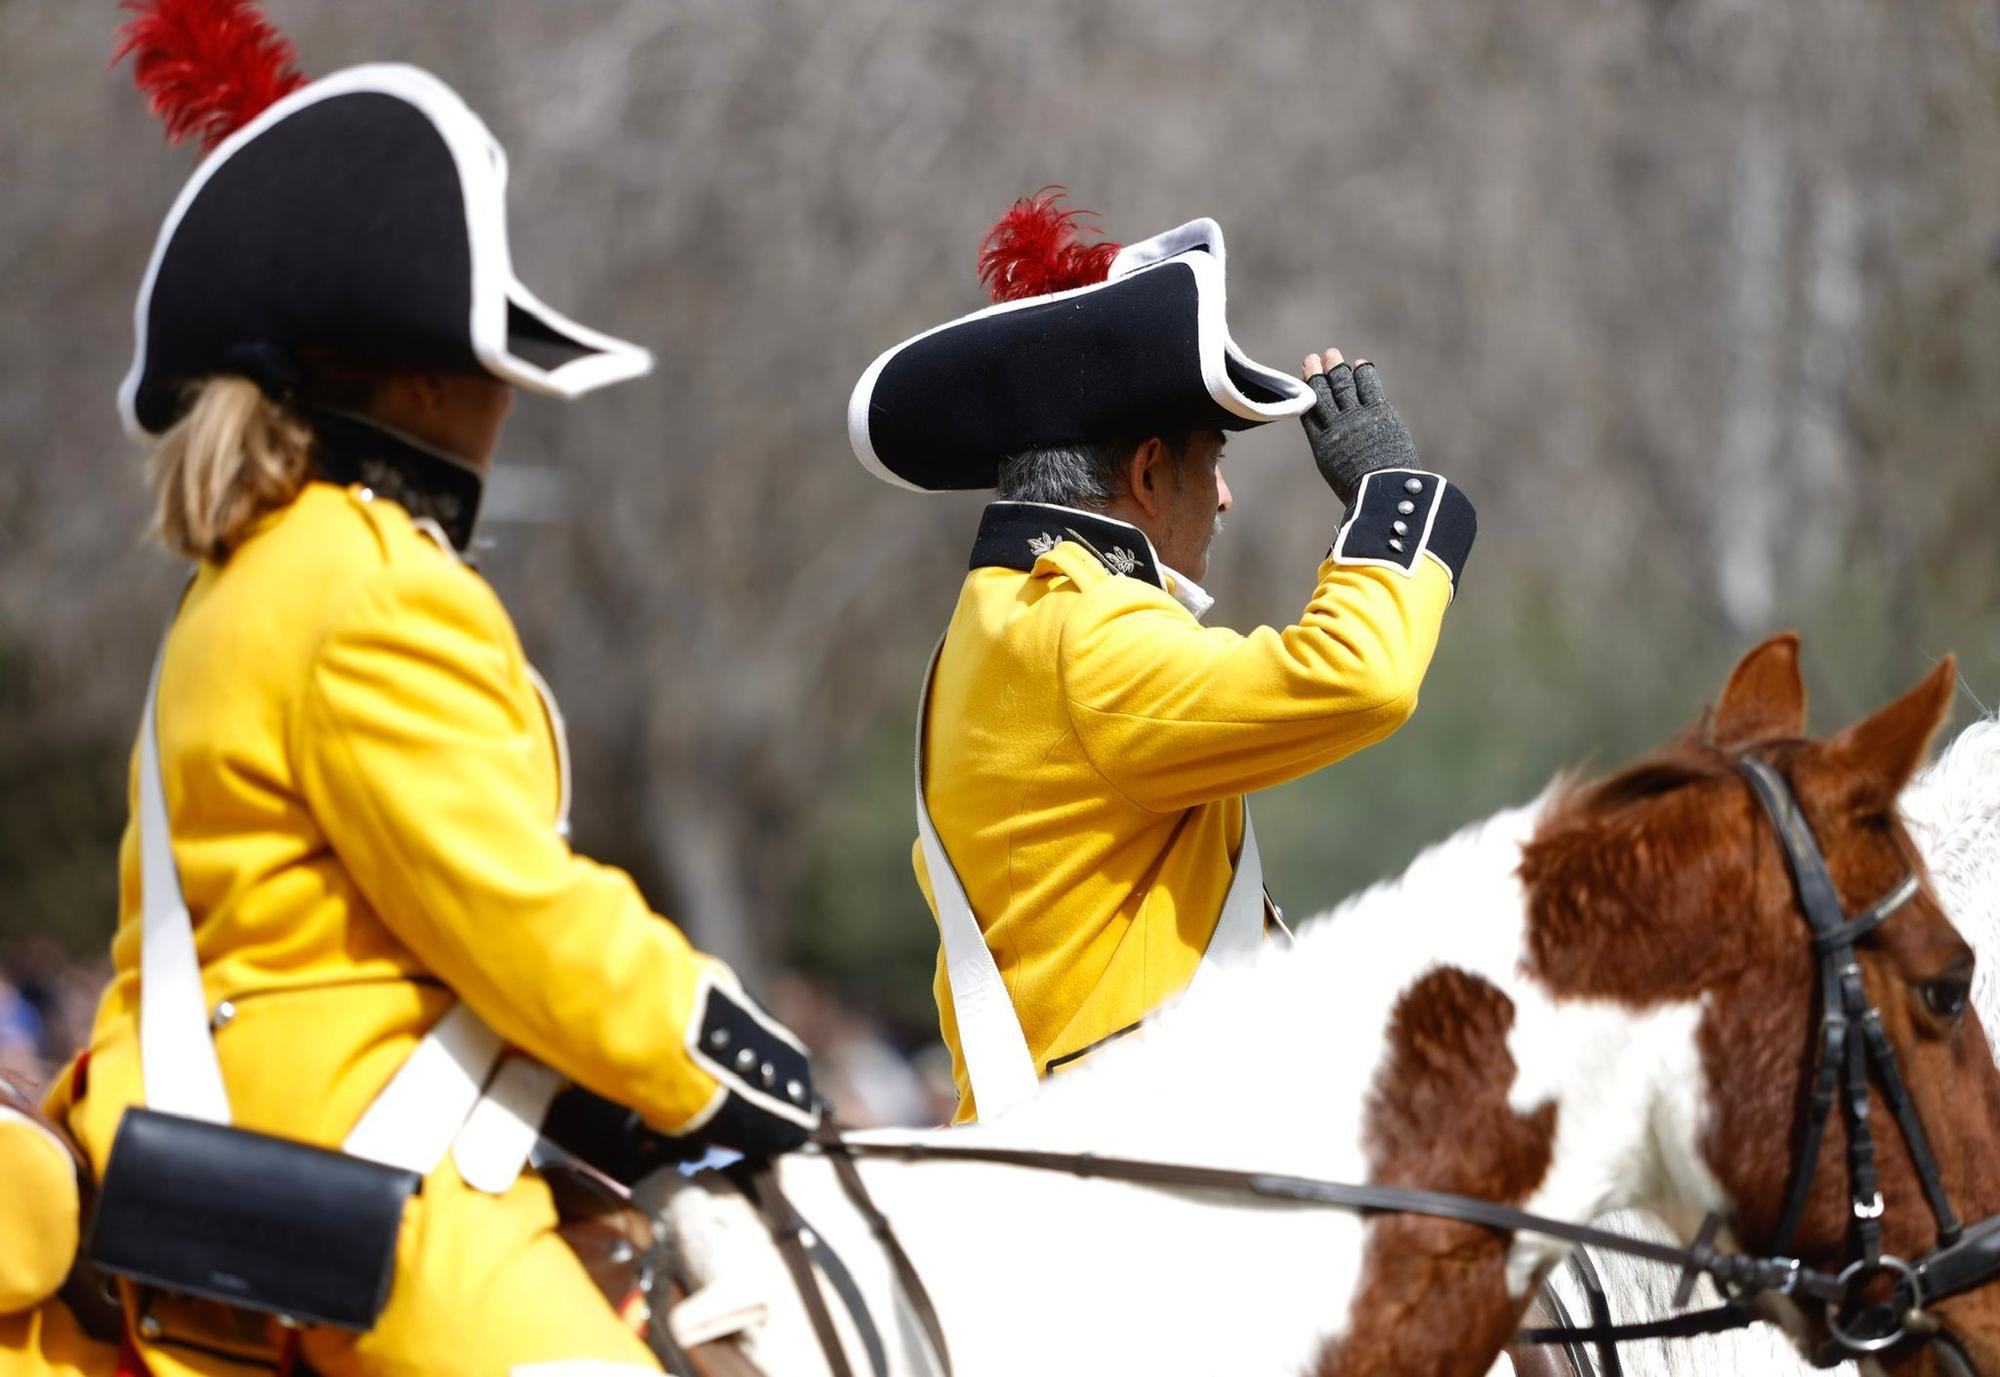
207 67
1034 250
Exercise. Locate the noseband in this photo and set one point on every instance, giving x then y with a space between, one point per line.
1853 1051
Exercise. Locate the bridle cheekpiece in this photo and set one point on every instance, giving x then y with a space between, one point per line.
1853 1053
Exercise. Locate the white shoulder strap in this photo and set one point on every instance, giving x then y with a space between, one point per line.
505 1124
997 1060
177 1061
1240 928
560 731
413 1121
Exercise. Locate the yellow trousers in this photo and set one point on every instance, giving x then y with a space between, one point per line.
48 1342
39 1213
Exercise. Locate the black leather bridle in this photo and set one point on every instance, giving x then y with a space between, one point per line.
1853 1053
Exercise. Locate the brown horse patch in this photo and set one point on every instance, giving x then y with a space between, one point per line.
1439 1119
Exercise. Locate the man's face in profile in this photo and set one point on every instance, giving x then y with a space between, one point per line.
1192 505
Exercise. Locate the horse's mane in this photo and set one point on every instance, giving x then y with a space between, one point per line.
1953 812
1953 807
1690 758
1683 761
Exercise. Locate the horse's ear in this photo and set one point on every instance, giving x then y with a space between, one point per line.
1765 697
1883 751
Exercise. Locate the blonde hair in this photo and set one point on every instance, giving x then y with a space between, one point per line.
234 456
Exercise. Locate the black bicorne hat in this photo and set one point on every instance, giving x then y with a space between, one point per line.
1146 351
363 214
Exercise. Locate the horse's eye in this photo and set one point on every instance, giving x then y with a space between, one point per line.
1946 995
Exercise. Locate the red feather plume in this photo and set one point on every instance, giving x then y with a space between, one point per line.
1034 251
207 67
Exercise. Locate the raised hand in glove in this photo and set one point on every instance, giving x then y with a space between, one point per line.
1352 430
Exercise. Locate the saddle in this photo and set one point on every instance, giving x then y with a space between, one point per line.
615 1241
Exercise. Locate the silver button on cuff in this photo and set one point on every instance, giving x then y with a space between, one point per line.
224 1015
719 1039
745 1059
1400 527
768 1074
1397 546
795 1091
1406 507
1413 485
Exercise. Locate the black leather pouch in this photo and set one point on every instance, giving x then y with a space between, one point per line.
250 1220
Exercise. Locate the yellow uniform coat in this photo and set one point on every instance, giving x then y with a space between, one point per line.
1089 743
363 786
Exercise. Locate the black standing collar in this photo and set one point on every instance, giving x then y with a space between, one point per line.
423 481
1013 535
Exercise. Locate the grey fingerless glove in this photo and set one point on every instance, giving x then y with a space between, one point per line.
1353 431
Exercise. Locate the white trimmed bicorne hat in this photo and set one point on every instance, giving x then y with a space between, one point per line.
1086 343
363 213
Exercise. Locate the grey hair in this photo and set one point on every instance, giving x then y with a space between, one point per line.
1083 476
1088 476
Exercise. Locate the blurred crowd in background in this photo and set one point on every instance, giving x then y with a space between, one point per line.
48 998
1699 299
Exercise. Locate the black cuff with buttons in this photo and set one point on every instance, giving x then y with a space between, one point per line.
1401 515
770 1106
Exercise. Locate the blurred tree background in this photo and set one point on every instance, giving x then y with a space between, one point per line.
1699 298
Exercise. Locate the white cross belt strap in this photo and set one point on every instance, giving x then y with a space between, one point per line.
425 1107
1240 928
997 1060
421 1109
177 1063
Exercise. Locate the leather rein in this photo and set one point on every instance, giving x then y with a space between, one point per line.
1853 1052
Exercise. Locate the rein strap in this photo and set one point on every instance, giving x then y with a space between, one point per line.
1784 1275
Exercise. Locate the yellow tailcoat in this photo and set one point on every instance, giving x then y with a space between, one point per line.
363 785
1088 746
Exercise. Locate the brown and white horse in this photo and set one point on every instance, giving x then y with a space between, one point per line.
1602 1000
1952 810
